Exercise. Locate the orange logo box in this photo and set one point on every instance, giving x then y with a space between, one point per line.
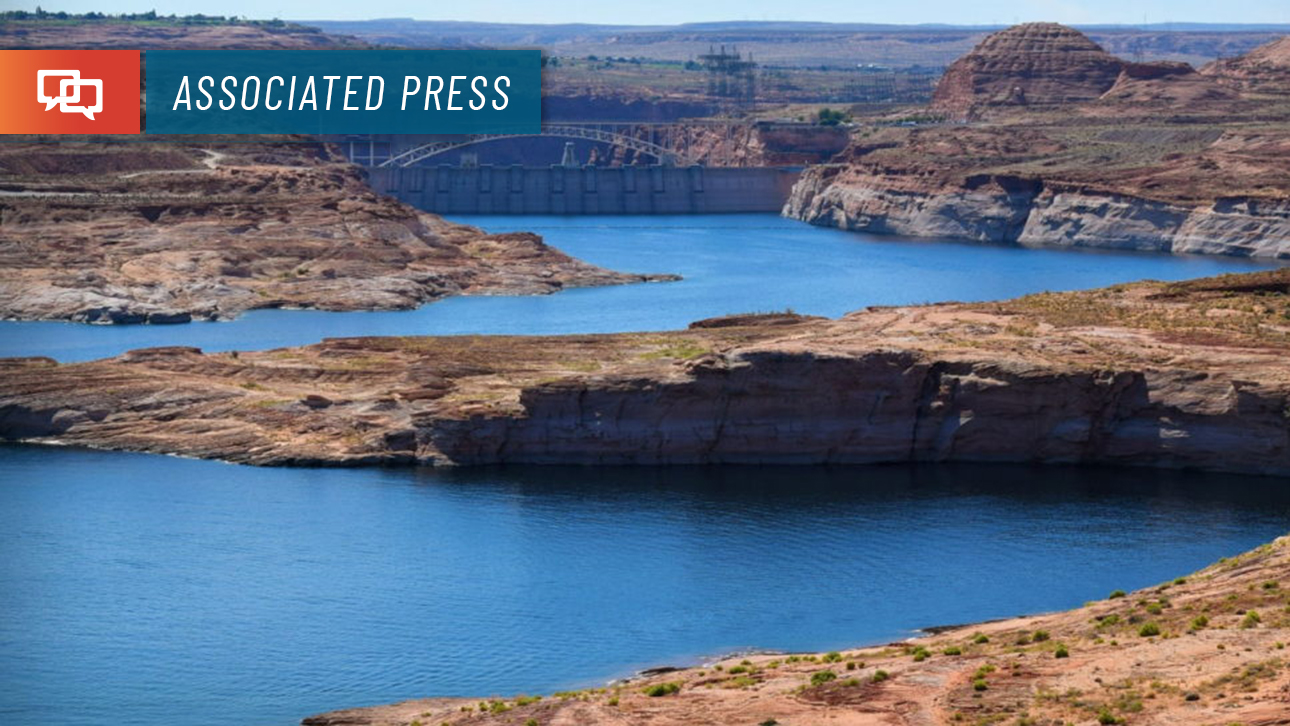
69 91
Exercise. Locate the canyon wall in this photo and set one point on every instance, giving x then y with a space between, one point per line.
1173 375
1040 137
1032 212
884 406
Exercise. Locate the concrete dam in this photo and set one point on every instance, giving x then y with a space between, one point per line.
586 189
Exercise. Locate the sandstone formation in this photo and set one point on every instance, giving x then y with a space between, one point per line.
1039 64
1203 649
1180 375
168 233
1164 85
1264 70
1072 147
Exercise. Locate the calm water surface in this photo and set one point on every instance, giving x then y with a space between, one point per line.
154 591
731 264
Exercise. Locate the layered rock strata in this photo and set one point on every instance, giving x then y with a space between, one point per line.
108 233
1183 375
1070 146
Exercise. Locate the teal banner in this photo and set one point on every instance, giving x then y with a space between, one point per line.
343 91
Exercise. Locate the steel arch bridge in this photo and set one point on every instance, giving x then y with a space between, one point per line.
663 154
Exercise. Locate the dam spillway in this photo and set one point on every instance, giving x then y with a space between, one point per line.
560 189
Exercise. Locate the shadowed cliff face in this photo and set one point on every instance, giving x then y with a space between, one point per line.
1190 374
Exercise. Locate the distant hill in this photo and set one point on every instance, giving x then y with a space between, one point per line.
801 44
149 31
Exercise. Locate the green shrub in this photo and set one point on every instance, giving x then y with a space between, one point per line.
851 665
830 117
737 670
662 689
613 701
1040 636
832 657
980 685
821 677
952 650
879 676
1199 622
1061 652
531 722
1106 718
1115 594
980 639
1148 630
1251 620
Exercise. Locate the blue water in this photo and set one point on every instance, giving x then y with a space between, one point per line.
154 591
731 264
142 590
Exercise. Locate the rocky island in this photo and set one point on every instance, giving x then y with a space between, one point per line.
1189 374
167 233
1040 137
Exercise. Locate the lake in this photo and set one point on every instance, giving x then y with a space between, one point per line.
147 590
731 264
156 591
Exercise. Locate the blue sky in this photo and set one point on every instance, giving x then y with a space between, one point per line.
976 12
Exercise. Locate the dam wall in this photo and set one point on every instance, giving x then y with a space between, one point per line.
586 189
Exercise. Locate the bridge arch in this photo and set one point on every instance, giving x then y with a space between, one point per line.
663 154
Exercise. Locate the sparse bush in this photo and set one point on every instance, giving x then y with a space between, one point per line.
662 689
980 639
821 677
1149 630
833 657
1061 652
980 685
879 676
952 650
1251 620
1116 594
1040 636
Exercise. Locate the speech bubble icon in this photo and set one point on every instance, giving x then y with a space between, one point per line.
51 101
75 106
